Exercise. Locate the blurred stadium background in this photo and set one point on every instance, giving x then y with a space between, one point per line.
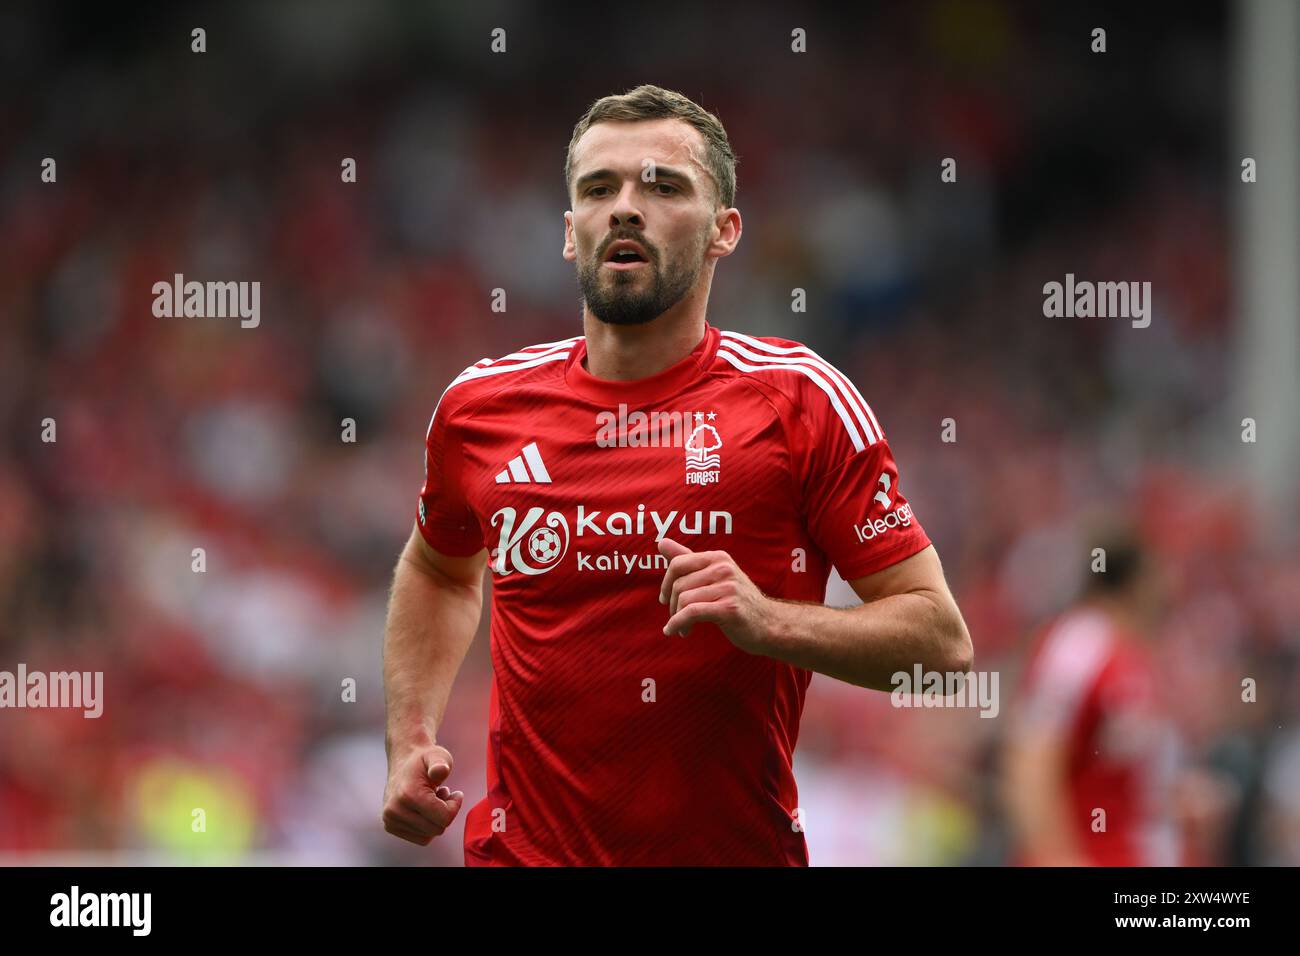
223 689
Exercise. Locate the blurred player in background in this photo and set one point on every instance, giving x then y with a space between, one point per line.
1091 763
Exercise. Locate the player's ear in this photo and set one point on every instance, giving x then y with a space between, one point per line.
570 251
728 228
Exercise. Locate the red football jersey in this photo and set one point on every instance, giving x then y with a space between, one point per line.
611 743
1094 684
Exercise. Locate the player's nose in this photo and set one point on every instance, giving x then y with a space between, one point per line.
626 211
629 218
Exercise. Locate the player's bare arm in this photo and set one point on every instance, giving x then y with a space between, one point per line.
433 613
908 617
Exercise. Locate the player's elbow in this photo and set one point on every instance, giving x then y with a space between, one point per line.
957 649
940 638
963 651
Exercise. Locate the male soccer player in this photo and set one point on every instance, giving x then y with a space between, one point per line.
660 503
1092 763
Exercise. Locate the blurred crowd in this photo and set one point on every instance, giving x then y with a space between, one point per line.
229 689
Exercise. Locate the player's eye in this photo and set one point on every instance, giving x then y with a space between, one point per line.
669 186
592 190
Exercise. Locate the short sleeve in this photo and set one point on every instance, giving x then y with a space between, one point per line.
443 514
852 493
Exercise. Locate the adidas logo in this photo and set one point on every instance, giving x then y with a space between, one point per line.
525 468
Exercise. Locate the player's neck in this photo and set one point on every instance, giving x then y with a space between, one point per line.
625 353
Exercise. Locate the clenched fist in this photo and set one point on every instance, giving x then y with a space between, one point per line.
417 805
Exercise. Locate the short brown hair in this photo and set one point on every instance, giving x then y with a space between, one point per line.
648 102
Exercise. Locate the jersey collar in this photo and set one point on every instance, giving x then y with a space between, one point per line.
654 388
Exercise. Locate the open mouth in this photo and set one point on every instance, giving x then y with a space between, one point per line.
625 255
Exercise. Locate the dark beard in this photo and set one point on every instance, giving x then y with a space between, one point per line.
618 304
